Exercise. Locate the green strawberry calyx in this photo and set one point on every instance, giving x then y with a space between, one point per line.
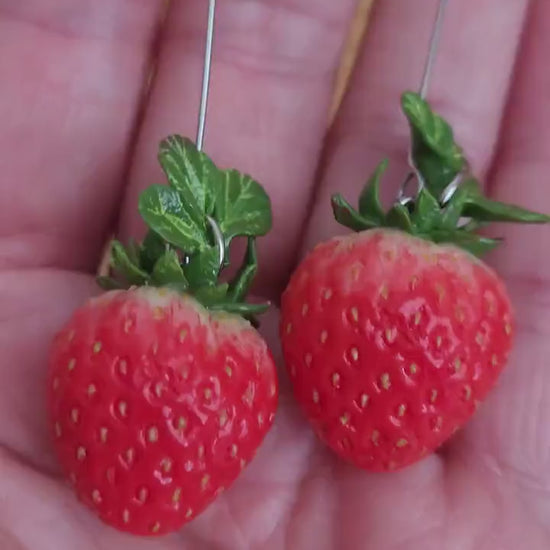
439 163
191 223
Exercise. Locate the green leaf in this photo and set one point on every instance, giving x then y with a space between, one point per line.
152 248
473 225
168 270
347 216
210 296
133 249
475 244
242 281
242 206
434 152
162 209
121 263
191 173
434 130
454 209
435 175
203 268
483 209
108 283
240 308
427 211
399 218
369 200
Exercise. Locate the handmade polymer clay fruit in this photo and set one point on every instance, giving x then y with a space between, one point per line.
161 389
393 335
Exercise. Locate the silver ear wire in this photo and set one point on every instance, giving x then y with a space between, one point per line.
203 110
402 198
207 69
433 48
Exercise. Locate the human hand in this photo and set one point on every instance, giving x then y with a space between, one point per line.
73 136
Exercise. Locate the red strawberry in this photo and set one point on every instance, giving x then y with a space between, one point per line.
157 405
391 340
161 390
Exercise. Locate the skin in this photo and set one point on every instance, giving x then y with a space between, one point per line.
77 148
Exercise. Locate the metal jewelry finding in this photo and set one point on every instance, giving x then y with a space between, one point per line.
207 69
402 197
201 125
450 190
220 241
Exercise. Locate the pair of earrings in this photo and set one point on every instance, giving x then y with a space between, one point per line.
161 389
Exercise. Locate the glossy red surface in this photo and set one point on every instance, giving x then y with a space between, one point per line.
390 342
157 405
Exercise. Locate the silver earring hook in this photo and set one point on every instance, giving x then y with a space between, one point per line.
207 70
402 196
433 48
203 110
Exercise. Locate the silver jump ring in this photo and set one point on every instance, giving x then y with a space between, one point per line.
220 241
451 189
402 196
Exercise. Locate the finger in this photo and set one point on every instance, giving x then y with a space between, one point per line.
71 77
371 126
513 426
273 69
34 305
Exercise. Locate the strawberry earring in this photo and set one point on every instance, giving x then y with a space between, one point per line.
393 335
160 389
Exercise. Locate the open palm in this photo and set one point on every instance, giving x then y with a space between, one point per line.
78 140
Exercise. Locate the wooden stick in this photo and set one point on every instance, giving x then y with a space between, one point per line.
349 55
